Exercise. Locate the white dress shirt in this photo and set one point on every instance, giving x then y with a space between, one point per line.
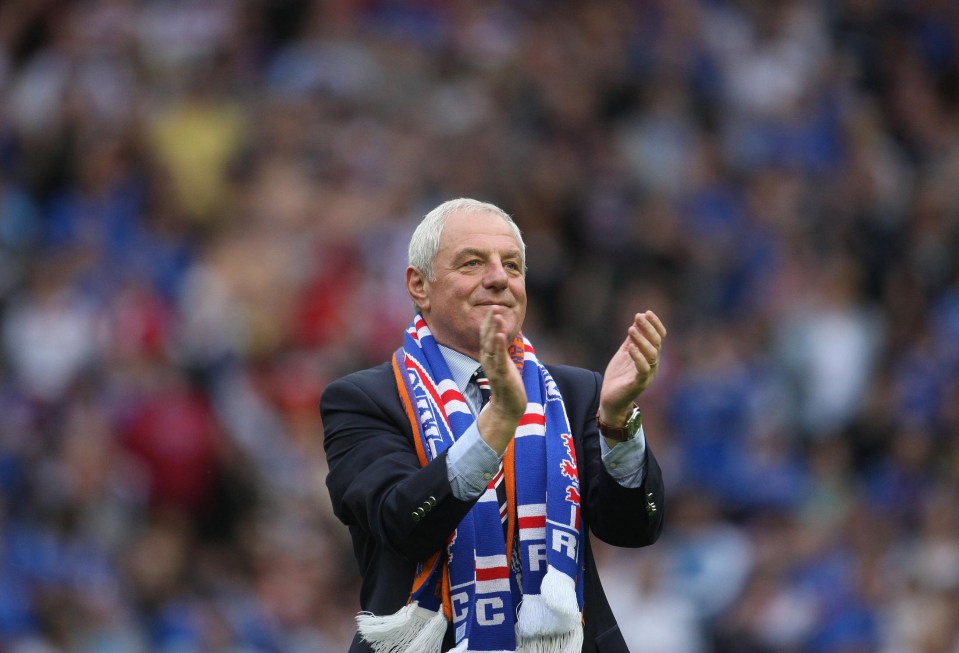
471 463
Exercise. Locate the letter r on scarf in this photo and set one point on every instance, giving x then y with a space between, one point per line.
492 616
537 554
563 540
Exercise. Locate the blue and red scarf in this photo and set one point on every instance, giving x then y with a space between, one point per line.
536 608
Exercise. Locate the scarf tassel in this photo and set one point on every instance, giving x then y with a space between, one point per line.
411 629
550 622
463 647
571 642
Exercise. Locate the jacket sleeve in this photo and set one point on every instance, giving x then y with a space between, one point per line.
627 517
375 480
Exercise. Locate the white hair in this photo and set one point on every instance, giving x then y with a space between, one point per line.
425 241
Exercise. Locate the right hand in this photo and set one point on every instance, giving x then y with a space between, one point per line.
498 420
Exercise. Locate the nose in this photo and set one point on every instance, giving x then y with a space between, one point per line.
496 275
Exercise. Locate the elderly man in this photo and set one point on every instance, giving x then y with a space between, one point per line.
470 473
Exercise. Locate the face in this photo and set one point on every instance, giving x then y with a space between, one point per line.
478 269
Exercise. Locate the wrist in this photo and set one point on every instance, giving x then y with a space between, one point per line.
615 417
496 429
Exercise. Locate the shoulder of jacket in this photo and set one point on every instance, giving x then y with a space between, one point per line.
370 380
572 374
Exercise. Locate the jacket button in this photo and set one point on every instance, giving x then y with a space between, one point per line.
420 513
431 501
416 516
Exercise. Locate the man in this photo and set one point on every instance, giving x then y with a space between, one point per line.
469 521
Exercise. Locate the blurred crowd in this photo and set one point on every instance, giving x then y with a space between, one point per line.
204 210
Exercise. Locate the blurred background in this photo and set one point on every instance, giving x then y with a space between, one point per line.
204 211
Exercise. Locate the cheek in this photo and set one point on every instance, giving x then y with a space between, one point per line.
519 292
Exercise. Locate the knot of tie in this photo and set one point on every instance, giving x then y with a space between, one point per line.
479 378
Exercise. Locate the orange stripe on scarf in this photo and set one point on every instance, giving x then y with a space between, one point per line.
426 570
410 414
510 472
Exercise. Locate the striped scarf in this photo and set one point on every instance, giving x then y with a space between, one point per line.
471 583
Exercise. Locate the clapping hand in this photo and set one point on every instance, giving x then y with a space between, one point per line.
632 368
498 420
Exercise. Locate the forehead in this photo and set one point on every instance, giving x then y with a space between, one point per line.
477 229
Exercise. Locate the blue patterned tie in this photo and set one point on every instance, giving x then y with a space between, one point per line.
479 378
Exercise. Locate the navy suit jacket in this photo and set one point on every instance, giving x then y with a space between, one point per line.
376 485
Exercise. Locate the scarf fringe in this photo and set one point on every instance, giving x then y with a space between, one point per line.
571 642
411 629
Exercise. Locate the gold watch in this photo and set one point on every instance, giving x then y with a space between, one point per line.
622 433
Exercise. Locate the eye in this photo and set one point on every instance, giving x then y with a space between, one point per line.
471 263
512 265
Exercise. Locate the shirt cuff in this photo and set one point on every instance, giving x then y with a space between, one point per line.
626 462
470 465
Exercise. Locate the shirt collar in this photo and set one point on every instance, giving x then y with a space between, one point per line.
461 366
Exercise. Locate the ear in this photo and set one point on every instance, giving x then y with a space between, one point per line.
419 288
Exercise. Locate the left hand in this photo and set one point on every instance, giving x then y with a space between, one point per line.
632 368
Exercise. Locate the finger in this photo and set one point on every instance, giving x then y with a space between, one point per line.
649 330
499 354
487 333
642 365
657 324
649 350
494 351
